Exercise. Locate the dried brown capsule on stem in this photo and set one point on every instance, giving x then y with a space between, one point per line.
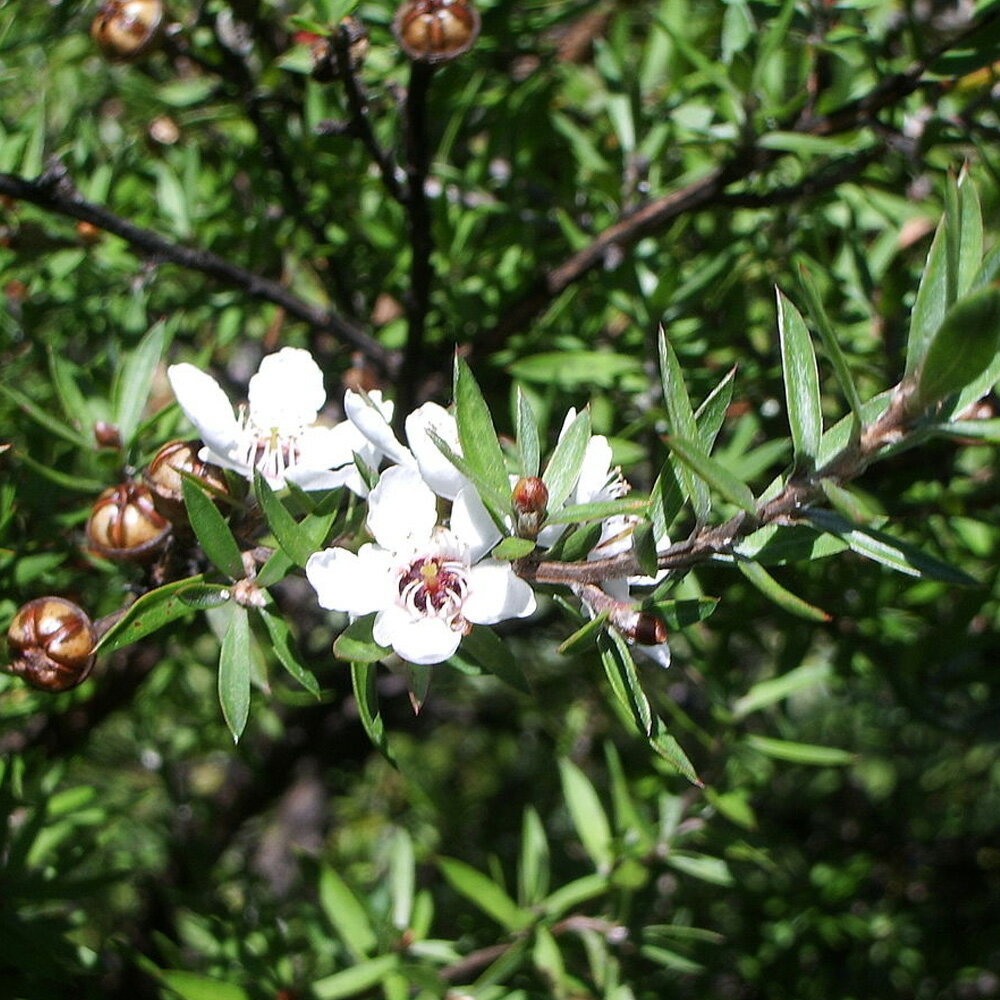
126 29
52 643
164 477
435 31
124 524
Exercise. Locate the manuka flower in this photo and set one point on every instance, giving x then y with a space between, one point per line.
426 583
276 433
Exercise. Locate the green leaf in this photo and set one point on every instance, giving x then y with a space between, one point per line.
402 879
281 522
680 614
234 671
589 818
356 980
277 567
191 986
781 596
346 914
563 468
533 868
987 431
514 548
484 646
213 533
672 752
711 472
830 343
571 895
205 595
712 413
800 753
701 866
484 893
527 436
356 643
624 679
46 420
497 503
889 551
477 435
644 548
585 635
149 613
132 388
366 696
283 645
682 423
962 348
931 303
665 500
74 404
580 512
970 240
776 689
798 362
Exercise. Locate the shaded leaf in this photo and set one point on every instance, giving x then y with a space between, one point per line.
483 893
213 533
798 363
234 671
712 472
150 612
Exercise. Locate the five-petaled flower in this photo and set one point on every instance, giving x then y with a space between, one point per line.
427 584
276 433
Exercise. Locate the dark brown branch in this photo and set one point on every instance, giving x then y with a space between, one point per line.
54 192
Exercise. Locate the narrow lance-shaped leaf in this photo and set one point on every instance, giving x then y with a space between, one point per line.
137 373
234 671
888 551
563 469
971 233
624 680
213 533
346 914
483 892
150 612
588 815
682 422
527 436
798 362
366 696
281 522
712 412
831 345
962 348
931 303
713 473
781 596
283 645
476 433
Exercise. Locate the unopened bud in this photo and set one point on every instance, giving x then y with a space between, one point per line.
435 31
107 435
529 498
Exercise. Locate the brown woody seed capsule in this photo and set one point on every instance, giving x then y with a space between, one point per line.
52 641
435 31
124 524
125 29
164 478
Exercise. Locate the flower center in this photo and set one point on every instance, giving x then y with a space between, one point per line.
270 450
436 586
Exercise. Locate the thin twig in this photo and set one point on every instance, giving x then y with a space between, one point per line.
54 192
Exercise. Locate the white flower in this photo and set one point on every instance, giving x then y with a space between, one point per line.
427 584
276 433
423 454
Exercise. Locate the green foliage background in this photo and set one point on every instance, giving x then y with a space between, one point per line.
846 842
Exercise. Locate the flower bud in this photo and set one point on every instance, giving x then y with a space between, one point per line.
126 29
124 524
435 31
529 498
52 641
164 477
107 435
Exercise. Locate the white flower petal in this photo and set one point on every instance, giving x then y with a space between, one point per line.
597 482
402 511
496 593
206 406
371 417
659 654
287 391
439 474
417 640
357 584
472 524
